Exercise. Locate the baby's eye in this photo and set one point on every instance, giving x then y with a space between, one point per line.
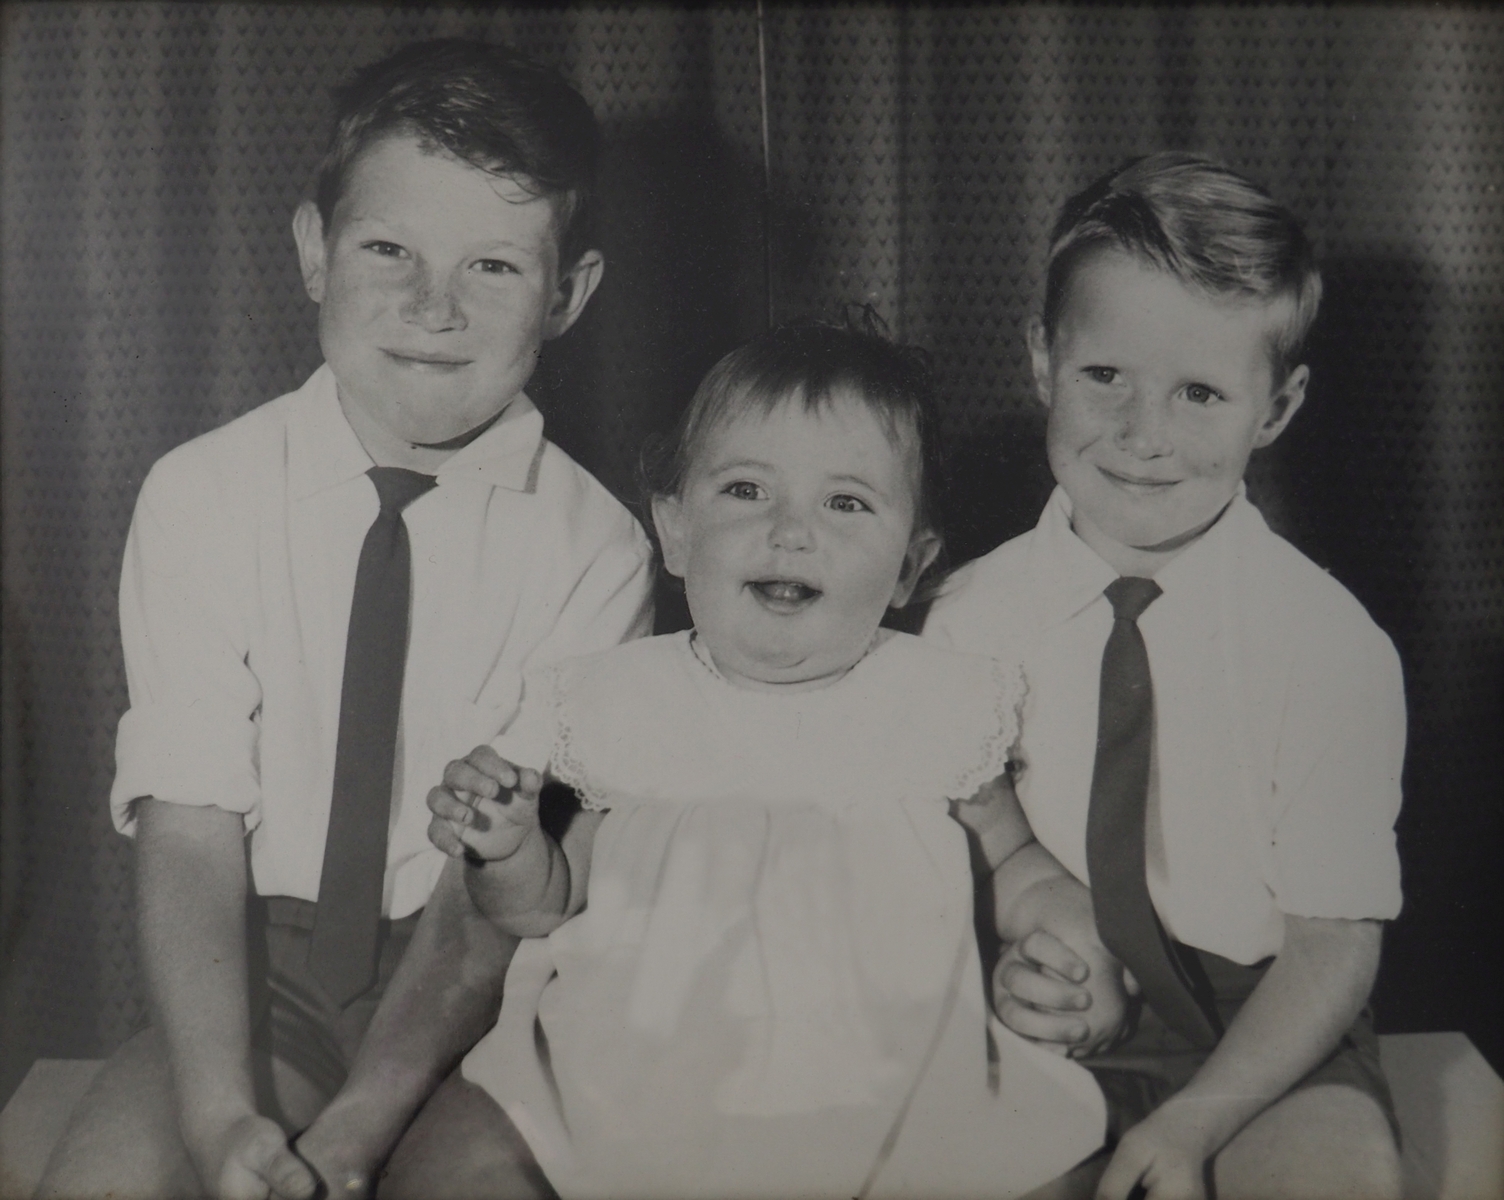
1101 374
385 249
847 503
1199 393
743 489
495 266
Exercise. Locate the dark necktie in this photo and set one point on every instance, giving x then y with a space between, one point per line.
1115 826
342 951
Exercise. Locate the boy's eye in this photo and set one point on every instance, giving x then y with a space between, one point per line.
1101 374
743 489
847 503
385 249
495 266
1199 393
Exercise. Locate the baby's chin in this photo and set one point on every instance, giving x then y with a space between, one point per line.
777 672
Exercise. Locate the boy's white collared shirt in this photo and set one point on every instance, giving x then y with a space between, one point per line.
1279 722
235 600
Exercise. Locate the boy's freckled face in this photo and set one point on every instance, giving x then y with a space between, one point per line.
437 284
1157 396
794 533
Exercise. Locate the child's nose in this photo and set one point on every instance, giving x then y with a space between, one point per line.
1144 430
791 529
432 305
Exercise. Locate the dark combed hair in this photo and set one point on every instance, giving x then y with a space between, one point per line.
811 362
485 104
1210 227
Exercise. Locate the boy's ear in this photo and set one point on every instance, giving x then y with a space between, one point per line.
668 520
1286 404
576 286
1039 358
308 233
924 547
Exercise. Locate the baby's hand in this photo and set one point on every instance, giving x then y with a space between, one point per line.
1068 1001
486 807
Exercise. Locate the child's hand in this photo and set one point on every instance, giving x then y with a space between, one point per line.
254 1162
1072 1001
1165 1155
486 807
340 1178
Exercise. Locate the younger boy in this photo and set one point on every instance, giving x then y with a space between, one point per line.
331 597
1215 727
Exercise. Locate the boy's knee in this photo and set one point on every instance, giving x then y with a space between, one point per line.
1320 1143
122 1139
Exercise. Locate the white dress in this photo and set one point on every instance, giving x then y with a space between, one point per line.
774 989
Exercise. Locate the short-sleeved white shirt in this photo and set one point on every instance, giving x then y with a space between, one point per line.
1279 722
235 603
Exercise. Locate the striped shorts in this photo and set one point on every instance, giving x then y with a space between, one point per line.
291 1018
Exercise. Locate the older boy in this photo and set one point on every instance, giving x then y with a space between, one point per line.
329 598
1215 728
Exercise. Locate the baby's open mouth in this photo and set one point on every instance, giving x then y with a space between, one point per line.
786 593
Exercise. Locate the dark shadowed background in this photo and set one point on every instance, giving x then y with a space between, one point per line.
153 154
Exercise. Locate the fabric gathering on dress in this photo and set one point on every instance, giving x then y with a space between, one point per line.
775 987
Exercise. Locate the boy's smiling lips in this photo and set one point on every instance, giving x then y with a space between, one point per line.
417 360
1139 485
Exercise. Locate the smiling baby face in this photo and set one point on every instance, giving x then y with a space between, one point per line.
794 531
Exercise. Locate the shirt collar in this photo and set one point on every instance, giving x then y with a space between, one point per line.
1191 564
1066 575
324 452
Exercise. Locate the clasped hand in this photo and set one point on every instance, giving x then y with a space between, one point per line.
486 808
1068 1002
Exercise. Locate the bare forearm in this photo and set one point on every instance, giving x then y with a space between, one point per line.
1306 1001
191 885
527 893
444 996
996 821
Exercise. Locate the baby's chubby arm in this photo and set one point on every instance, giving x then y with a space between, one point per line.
1055 983
518 875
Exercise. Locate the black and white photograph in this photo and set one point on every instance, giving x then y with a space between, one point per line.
751 601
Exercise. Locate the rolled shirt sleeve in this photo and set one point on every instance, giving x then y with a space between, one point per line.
190 735
1337 782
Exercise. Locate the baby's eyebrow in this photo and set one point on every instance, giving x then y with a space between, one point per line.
740 464
858 481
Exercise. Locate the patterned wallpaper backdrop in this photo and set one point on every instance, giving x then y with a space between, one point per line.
153 153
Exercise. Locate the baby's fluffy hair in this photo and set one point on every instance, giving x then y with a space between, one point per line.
1210 227
810 360
487 105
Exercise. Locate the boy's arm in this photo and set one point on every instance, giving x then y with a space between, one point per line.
1310 996
442 999
1056 983
191 892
